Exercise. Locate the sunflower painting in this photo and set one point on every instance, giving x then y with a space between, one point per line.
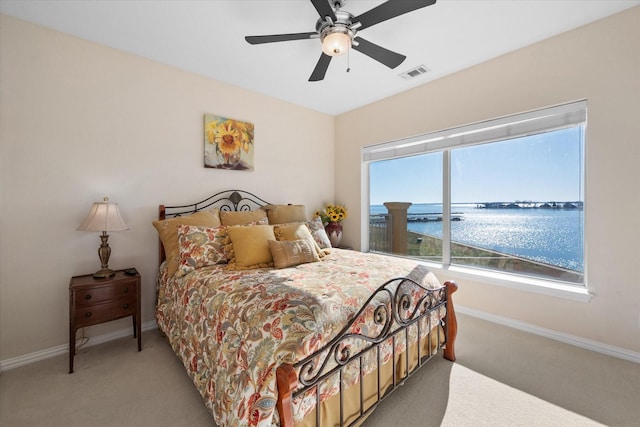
228 143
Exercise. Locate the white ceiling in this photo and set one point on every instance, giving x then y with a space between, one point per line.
207 37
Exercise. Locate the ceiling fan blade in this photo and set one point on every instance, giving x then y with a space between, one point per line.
321 68
389 9
279 37
385 56
324 9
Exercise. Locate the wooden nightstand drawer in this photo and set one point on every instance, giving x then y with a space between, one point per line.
96 295
98 313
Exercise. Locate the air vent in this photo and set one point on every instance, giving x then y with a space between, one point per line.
415 72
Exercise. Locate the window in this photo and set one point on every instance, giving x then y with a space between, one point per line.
505 195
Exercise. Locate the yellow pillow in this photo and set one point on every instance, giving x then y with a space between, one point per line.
296 231
282 214
168 231
289 253
251 246
242 217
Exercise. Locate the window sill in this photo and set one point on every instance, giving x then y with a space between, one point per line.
539 286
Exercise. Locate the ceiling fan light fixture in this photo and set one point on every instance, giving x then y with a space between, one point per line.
336 42
337 29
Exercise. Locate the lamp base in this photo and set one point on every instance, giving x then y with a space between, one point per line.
103 273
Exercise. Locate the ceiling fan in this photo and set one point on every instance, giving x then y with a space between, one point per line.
337 31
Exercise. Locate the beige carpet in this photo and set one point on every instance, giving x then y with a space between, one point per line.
503 378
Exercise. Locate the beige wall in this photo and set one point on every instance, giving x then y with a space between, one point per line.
79 121
599 62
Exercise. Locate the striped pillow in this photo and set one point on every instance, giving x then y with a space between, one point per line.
288 253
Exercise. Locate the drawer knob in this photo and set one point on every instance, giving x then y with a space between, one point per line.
87 314
125 306
125 290
87 296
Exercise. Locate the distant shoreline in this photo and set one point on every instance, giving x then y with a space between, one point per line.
530 205
579 205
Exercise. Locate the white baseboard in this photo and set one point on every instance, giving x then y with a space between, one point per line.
47 353
594 346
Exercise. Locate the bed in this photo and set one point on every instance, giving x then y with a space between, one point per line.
309 335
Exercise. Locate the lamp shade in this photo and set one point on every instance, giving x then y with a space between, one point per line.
104 216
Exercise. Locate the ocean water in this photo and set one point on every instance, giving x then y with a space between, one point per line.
551 236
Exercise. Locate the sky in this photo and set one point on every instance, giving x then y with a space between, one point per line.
542 168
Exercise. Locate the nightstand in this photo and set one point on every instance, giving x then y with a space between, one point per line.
93 301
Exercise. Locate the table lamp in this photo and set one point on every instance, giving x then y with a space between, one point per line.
104 216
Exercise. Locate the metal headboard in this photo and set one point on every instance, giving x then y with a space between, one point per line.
228 200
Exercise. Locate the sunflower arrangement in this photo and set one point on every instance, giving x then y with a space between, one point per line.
229 136
332 213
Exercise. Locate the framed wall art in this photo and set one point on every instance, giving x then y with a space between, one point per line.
228 143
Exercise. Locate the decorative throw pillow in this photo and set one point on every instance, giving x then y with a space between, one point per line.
251 246
168 231
288 253
316 227
296 231
282 214
242 217
201 247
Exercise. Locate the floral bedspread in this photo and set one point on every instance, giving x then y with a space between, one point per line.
232 329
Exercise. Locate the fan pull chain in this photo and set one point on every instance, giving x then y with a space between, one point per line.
348 57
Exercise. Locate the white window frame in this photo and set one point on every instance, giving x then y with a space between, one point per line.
508 127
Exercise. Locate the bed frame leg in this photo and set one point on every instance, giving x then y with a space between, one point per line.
287 381
451 323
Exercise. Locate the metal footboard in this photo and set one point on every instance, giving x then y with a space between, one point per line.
390 312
